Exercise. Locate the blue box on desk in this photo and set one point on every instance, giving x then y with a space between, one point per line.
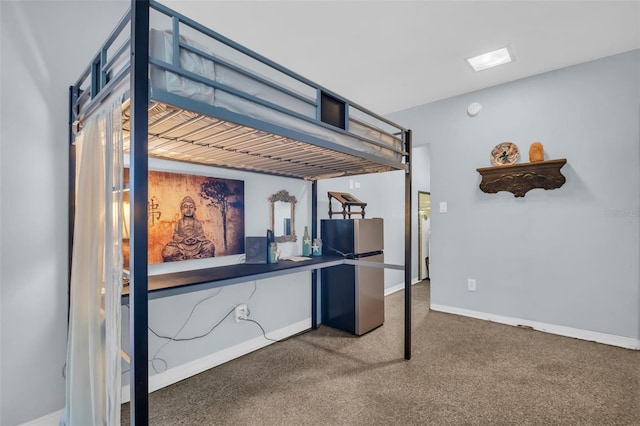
256 249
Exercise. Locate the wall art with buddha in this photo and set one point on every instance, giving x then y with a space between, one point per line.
194 217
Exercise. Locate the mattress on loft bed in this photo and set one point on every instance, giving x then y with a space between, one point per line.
161 47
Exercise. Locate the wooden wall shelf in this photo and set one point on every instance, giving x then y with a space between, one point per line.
523 177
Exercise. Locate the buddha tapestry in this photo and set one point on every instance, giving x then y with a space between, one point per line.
194 217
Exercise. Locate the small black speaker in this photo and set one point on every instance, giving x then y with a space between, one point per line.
256 249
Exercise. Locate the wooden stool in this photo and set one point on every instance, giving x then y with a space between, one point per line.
347 201
426 261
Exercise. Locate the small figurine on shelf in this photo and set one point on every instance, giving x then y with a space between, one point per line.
536 152
316 248
306 243
274 253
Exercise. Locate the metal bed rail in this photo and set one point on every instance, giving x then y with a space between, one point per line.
367 118
111 66
125 57
106 71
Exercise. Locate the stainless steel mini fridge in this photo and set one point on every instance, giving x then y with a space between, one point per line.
353 296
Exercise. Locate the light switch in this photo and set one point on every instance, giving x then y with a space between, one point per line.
443 206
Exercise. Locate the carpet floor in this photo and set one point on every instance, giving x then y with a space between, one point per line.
463 371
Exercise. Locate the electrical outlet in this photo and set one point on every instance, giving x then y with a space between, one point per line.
241 312
471 284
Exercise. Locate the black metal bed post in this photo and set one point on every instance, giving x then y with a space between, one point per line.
138 176
407 249
73 96
314 273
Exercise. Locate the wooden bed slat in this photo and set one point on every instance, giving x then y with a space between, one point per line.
183 135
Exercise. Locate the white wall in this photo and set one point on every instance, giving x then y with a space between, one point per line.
587 277
41 58
421 170
569 256
275 303
384 195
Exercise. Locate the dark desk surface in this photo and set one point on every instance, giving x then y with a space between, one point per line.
200 279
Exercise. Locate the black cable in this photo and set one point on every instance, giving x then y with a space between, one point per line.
255 288
273 340
151 361
264 334
155 358
186 339
174 339
334 250
169 339
153 365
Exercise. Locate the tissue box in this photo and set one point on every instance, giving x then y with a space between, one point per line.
256 249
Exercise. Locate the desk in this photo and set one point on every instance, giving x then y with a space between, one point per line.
174 283
165 285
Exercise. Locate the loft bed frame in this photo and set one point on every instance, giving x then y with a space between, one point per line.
215 102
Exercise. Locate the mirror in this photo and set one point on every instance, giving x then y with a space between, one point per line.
283 216
424 234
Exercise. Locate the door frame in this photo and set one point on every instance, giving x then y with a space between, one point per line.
424 209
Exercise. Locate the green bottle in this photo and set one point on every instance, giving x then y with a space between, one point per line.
306 243
273 253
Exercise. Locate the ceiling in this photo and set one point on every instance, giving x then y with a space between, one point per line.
391 55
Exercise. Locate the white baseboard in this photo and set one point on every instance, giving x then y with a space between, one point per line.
52 419
192 368
181 372
577 333
399 287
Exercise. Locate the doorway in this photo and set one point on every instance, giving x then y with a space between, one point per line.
424 234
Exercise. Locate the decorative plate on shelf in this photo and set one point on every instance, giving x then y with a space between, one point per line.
504 153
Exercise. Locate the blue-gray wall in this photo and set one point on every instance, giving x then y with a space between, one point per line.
40 58
587 277
567 257
384 195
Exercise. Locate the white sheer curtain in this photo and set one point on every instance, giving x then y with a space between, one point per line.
93 349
